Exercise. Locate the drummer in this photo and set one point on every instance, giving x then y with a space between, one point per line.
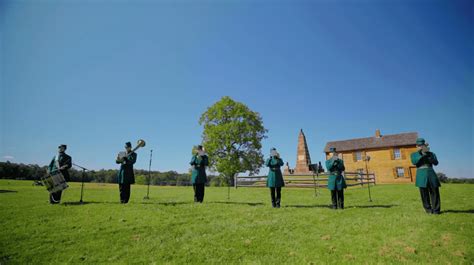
61 162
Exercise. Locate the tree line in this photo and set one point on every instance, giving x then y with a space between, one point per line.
33 172
16 171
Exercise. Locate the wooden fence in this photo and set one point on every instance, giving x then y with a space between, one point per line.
306 181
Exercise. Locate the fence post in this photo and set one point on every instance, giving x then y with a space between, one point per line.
368 186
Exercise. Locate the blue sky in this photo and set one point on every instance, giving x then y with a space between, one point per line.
95 74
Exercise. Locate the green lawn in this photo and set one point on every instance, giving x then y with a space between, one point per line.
170 228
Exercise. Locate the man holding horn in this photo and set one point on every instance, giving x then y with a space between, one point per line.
275 179
426 178
126 176
336 182
199 162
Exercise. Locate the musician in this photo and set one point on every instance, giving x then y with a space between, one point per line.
336 182
61 162
126 176
199 162
275 178
426 179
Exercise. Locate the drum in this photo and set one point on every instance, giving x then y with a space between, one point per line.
55 182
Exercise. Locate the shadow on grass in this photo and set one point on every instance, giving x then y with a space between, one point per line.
151 203
240 203
347 207
250 204
373 206
308 206
459 211
84 203
8 191
166 203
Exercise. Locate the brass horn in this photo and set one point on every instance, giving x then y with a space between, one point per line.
122 155
140 143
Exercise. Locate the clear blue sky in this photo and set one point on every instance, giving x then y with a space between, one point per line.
95 74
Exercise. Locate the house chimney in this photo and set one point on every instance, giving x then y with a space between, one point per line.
377 133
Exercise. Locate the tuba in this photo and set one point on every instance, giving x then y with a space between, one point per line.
121 155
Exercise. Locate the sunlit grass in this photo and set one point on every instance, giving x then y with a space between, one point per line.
170 228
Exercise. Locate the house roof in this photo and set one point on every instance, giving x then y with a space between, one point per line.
401 139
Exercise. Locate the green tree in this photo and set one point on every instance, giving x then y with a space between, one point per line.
232 138
442 177
141 179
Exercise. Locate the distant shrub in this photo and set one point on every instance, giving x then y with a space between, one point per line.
444 179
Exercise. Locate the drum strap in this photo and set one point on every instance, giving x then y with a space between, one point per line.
57 162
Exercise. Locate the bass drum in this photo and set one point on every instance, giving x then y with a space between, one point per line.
55 182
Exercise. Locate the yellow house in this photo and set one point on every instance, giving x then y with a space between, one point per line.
389 156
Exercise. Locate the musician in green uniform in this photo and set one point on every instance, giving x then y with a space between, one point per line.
61 162
126 176
336 182
275 178
199 162
426 179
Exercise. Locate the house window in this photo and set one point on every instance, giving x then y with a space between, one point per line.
358 156
397 154
400 172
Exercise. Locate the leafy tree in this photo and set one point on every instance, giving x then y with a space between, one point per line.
442 177
141 179
232 138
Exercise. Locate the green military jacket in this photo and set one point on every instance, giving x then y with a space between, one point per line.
126 174
199 164
275 178
335 180
63 160
425 175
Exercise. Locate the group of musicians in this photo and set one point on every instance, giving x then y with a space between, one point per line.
426 178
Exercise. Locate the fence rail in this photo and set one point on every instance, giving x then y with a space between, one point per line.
307 181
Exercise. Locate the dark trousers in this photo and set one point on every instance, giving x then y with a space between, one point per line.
337 197
276 200
124 192
198 192
55 197
431 200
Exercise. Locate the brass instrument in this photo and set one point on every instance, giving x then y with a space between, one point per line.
121 155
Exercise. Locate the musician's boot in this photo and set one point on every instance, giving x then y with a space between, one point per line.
195 193
278 197
334 199
340 199
272 193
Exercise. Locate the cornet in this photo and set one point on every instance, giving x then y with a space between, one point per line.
121 155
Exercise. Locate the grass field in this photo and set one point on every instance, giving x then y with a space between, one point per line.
170 228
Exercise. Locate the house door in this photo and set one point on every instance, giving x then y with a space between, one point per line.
412 174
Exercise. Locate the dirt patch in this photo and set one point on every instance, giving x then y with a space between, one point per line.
447 238
410 250
326 237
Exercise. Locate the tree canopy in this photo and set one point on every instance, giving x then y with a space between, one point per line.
232 138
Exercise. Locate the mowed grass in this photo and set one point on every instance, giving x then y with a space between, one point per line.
170 228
